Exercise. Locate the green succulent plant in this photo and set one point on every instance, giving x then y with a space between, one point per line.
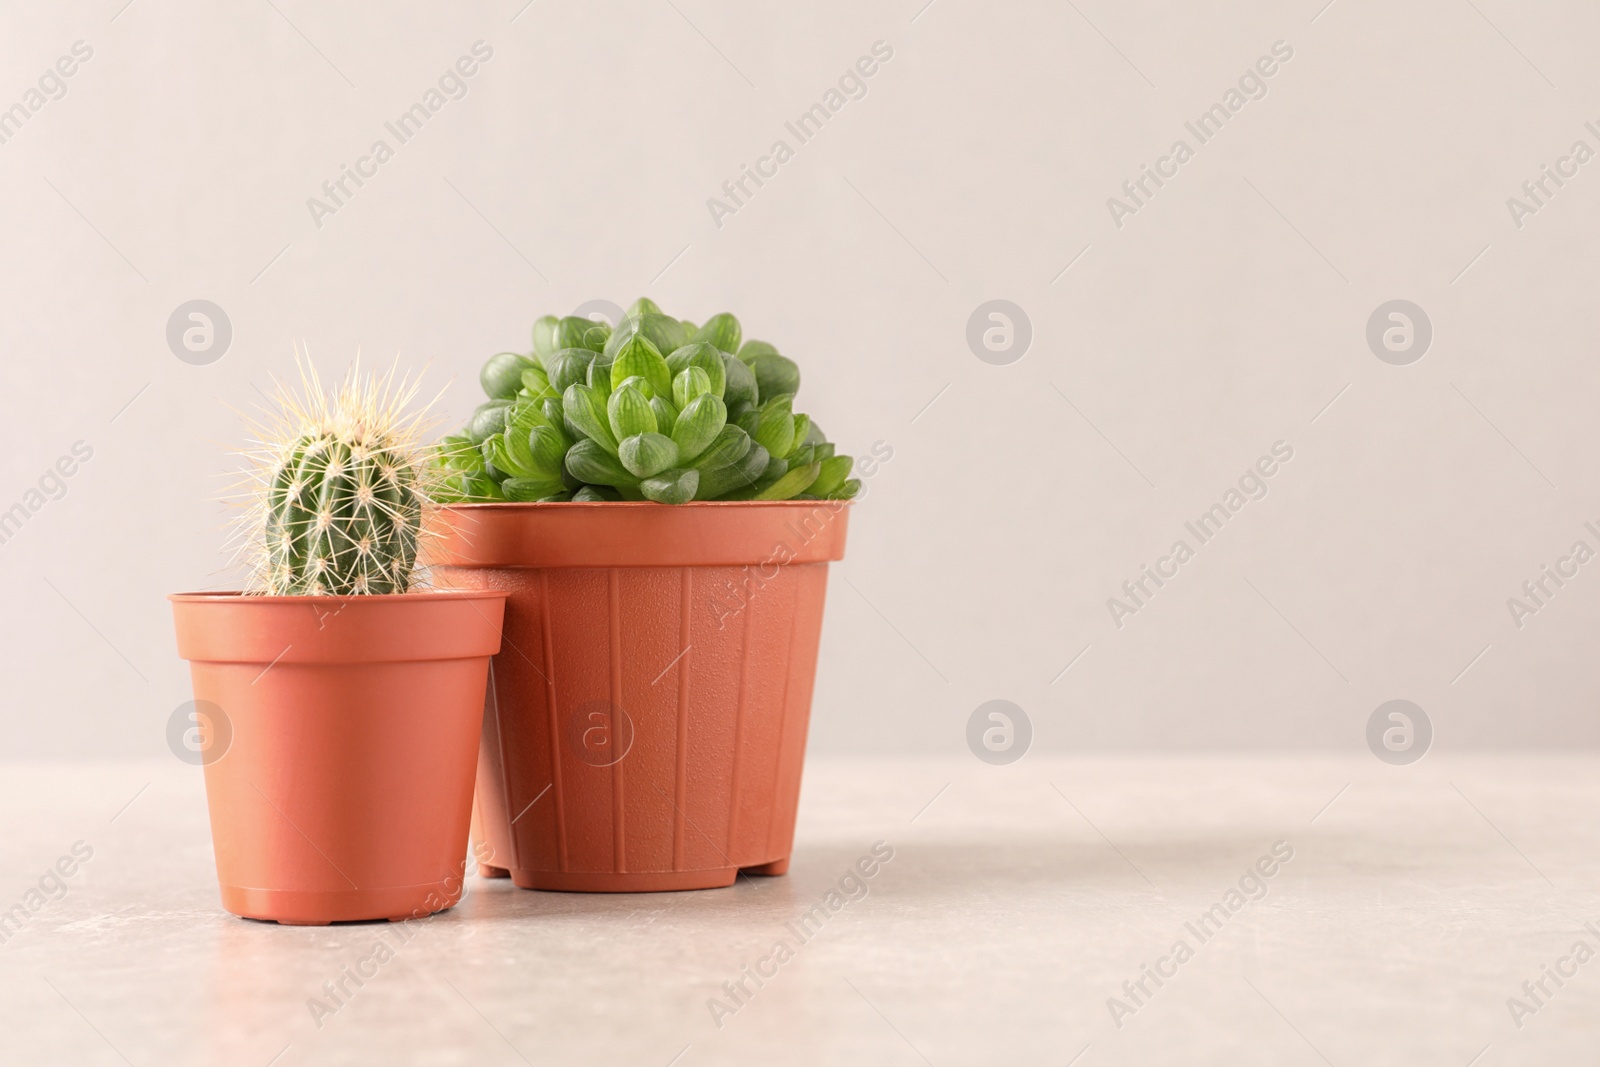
654 409
337 490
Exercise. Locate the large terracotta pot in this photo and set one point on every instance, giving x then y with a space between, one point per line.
340 739
646 719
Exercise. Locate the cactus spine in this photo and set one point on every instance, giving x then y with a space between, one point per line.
339 490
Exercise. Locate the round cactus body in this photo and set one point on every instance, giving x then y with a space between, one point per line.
342 519
338 493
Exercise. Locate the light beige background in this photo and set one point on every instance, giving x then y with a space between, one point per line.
1223 317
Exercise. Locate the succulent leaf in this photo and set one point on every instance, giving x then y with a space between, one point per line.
527 490
647 454
699 424
751 349
535 385
802 430
457 452
548 446
706 357
775 430
834 471
591 463
741 387
501 376
639 382
486 451
524 416
639 356
776 374
599 376
571 331
586 416
625 331
776 468
792 484
544 337
629 412
663 331
483 487
567 367
721 330
666 411
510 452
675 486
688 384
718 482
730 446
489 419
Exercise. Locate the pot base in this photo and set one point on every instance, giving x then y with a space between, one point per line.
640 881
610 882
770 870
312 908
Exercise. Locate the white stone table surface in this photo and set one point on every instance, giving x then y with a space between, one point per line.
1019 900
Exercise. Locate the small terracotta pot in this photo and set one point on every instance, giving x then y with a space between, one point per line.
646 720
341 748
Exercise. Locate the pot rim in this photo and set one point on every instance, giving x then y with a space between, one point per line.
427 625
597 504
237 596
626 534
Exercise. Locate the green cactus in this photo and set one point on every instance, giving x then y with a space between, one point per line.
655 409
337 500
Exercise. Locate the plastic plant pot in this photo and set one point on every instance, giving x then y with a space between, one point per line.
340 746
645 724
